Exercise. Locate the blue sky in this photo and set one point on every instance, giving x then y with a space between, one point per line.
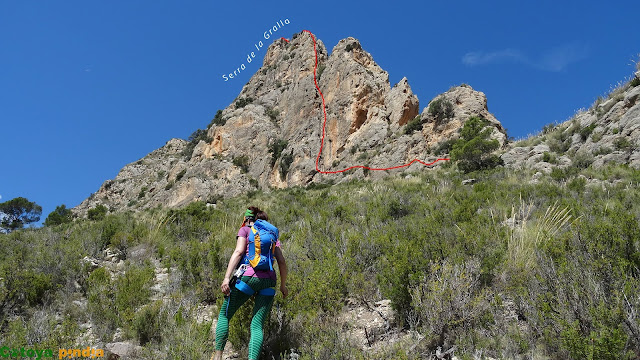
89 86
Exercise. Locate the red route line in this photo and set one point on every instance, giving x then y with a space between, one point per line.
324 109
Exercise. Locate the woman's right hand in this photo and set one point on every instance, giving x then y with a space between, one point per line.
284 291
225 286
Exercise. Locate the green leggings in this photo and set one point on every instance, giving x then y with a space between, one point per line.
261 309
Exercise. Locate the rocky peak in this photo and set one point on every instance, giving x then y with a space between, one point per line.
466 102
402 103
270 135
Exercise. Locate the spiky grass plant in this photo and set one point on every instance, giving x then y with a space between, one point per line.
528 235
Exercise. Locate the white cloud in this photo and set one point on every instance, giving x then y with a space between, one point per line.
481 57
559 58
554 59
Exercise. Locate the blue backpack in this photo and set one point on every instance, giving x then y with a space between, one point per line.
262 244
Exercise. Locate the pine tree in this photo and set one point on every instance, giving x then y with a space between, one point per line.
473 151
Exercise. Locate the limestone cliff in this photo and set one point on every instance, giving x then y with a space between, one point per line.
269 137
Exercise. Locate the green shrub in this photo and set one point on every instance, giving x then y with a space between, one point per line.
114 303
101 306
143 192
169 185
349 47
111 225
97 213
622 143
557 174
285 163
441 109
131 291
586 131
199 135
447 292
195 211
321 69
188 339
596 136
396 271
558 146
276 148
26 288
577 184
604 343
149 322
465 210
181 174
473 151
194 140
242 162
582 160
217 119
397 209
242 102
272 113
61 215
559 140
604 150
550 158
121 242
548 128
634 82
413 125
444 147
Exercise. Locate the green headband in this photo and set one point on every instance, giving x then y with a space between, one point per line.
248 213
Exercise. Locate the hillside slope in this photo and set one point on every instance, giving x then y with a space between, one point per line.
392 269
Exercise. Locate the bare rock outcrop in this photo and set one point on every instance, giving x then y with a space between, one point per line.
402 104
466 103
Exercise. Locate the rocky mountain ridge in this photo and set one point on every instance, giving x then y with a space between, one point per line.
270 136
607 133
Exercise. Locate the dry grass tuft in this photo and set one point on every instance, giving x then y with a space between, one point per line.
528 235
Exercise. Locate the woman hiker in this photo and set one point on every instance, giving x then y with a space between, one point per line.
259 282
